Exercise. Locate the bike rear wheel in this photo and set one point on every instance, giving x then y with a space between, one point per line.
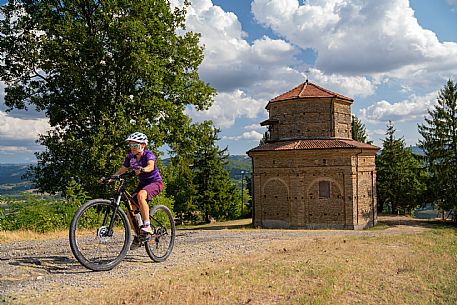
160 245
90 240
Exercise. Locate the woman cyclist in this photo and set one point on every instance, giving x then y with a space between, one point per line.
143 162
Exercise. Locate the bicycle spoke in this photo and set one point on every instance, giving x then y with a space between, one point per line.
160 245
91 242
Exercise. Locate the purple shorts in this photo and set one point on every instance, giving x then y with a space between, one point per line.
153 189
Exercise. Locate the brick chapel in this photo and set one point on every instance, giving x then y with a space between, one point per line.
310 173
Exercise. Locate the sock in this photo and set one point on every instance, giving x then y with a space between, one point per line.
147 223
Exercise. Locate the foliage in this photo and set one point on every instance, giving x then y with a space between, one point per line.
238 163
246 203
440 145
49 214
180 183
99 70
266 137
75 194
216 195
36 214
198 180
400 178
359 133
163 199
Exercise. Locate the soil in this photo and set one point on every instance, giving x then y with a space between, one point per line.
31 268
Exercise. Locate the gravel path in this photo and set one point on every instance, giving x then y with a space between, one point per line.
36 267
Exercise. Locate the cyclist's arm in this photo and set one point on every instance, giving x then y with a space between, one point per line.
122 170
150 167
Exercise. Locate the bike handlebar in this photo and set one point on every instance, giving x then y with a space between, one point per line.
110 179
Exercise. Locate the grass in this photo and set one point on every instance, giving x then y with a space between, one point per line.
24 235
413 268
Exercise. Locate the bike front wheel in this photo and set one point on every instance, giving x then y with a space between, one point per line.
160 245
99 235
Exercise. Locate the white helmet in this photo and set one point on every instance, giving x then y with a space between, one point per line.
138 137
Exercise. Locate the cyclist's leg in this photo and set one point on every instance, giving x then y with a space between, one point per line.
136 243
142 198
145 194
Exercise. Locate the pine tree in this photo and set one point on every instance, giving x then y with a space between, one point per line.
266 137
399 175
216 196
359 132
180 186
440 145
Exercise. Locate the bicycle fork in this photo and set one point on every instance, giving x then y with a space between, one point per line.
109 231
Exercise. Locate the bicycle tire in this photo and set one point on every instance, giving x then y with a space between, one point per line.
160 245
90 242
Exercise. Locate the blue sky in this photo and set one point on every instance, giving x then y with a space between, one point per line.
392 57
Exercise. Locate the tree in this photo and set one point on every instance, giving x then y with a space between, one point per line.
180 175
400 182
266 137
99 70
440 145
359 132
181 187
216 195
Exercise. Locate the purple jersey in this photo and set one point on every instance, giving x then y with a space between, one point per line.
145 178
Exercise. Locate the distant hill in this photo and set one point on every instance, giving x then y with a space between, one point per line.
10 179
414 149
417 150
238 163
12 173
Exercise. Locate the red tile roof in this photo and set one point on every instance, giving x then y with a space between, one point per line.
313 144
309 90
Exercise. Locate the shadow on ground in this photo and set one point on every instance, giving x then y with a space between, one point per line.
50 264
395 221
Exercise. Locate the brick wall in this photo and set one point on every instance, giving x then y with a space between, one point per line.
286 188
310 118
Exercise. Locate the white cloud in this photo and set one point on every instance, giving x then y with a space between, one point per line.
407 110
358 36
258 71
14 148
228 107
230 61
253 127
250 136
271 52
22 129
350 85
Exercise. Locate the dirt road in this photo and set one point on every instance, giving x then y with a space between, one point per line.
35 267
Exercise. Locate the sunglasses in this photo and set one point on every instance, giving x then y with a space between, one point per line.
136 145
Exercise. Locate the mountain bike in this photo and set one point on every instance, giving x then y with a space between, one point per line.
100 234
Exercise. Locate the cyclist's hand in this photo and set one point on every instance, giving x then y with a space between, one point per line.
111 179
137 171
107 180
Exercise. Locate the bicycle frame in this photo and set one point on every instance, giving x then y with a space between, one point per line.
112 226
122 194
